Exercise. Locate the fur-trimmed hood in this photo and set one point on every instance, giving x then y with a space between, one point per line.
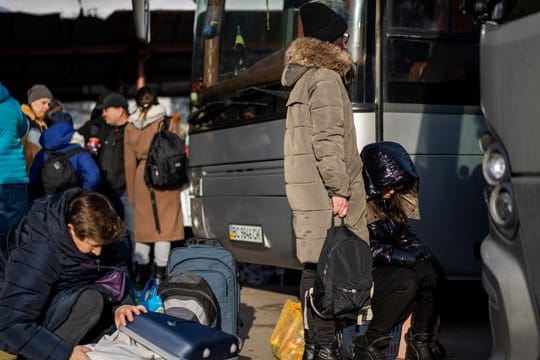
155 113
306 52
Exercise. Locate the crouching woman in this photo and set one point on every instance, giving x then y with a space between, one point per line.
49 300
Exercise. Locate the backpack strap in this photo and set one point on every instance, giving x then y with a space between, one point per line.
155 210
74 151
313 307
67 154
165 123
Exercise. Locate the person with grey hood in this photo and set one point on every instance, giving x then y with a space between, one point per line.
323 169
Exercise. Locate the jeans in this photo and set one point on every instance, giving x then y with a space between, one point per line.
13 206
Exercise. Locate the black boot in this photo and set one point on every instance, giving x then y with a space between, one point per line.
328 351
141 274
309 347
418 346
438 352
159 273
365 349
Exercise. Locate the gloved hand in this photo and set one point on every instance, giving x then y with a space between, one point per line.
425 274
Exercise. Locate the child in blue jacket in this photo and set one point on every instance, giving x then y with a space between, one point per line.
60 137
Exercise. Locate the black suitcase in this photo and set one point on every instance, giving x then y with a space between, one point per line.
178 339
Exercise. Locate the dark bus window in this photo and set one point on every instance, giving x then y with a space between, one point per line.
425 62
420 14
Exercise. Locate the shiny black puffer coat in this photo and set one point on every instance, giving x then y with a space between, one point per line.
387 165
394 243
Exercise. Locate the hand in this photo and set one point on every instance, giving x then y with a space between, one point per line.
79 353
340 205
425 275
125 313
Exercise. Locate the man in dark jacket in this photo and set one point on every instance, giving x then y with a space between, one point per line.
48 269
104 136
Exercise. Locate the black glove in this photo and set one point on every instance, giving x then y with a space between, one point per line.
425 275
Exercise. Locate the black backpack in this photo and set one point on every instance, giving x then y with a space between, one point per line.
189 296
57 173
166 160
343 282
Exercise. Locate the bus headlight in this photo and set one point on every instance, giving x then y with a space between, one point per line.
494 166
501 207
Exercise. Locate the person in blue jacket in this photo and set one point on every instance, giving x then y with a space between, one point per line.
13 178
60 138
48 269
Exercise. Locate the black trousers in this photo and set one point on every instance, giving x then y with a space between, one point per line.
396 296
322 331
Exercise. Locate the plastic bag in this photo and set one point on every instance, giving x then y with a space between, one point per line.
148 297
287 339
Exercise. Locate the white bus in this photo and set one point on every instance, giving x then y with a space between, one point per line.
417 84
510 86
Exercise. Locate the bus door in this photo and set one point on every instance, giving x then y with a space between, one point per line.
429 95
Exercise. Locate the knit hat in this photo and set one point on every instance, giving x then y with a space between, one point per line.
321 22
115 100
38 91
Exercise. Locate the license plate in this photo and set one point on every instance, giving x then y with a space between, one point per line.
248 233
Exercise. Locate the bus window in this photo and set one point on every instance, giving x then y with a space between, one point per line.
420 14
258 41
426 62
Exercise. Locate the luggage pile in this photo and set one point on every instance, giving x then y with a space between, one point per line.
201 299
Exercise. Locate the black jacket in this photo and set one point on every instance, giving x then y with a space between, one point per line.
394 243
110 157
40 268
387 164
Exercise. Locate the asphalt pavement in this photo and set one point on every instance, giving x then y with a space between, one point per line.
464 330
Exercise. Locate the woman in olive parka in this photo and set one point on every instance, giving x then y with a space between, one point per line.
323 169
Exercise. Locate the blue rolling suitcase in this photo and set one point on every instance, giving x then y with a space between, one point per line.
217 266
178 339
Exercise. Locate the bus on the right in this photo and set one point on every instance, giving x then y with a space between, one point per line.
510 101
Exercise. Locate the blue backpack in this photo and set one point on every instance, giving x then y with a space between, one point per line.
218 267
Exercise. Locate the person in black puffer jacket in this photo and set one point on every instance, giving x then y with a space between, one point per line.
406 274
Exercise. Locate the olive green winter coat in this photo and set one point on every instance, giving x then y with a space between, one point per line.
320 151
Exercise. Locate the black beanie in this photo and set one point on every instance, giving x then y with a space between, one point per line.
321 22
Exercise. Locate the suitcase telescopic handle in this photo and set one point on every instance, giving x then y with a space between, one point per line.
204 241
